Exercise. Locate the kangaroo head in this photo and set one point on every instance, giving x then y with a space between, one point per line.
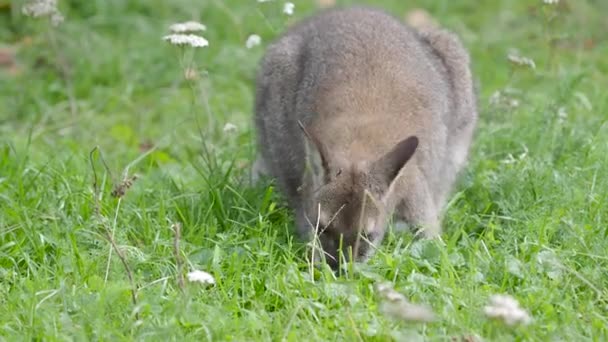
348 209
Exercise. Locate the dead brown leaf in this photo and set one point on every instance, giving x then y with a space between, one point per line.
7 57
326 3
8 61
420 19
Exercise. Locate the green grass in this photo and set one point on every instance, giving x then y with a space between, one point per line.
529 217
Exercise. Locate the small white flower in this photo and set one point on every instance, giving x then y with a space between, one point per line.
550 2
524 154
408 311
396 305
506 309
57 18
509 159
188 26
506 97
495 98
43 8
562 115
264 0
201 277
253 40
288 8
40 8
387 292
186 39
514 265
229 127
521 61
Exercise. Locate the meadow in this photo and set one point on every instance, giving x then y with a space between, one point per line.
124 165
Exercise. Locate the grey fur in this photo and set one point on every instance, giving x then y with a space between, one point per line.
361 83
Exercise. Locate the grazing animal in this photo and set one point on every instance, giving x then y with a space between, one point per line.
361 118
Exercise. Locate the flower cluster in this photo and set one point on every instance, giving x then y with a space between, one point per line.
521 61
288 8
202 277
395 304
253 40
186 39
188 26
506 309
43 8
182 34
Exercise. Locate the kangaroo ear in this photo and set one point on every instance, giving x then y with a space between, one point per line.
387 167
321 150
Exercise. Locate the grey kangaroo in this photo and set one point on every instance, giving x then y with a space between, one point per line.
361 118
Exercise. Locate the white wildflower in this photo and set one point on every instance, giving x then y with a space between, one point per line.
40 8
514 265
253 40
408 311
509 160
506 97
387 292
506 309
229 127
396 305
288 8
201 277
43 8
562 115
186 39
495 98
264 1
550 2
57 18
521 61
188 26
524 154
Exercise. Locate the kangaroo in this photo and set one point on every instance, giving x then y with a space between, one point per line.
360 119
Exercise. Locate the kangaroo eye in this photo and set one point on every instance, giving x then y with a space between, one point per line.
339 172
